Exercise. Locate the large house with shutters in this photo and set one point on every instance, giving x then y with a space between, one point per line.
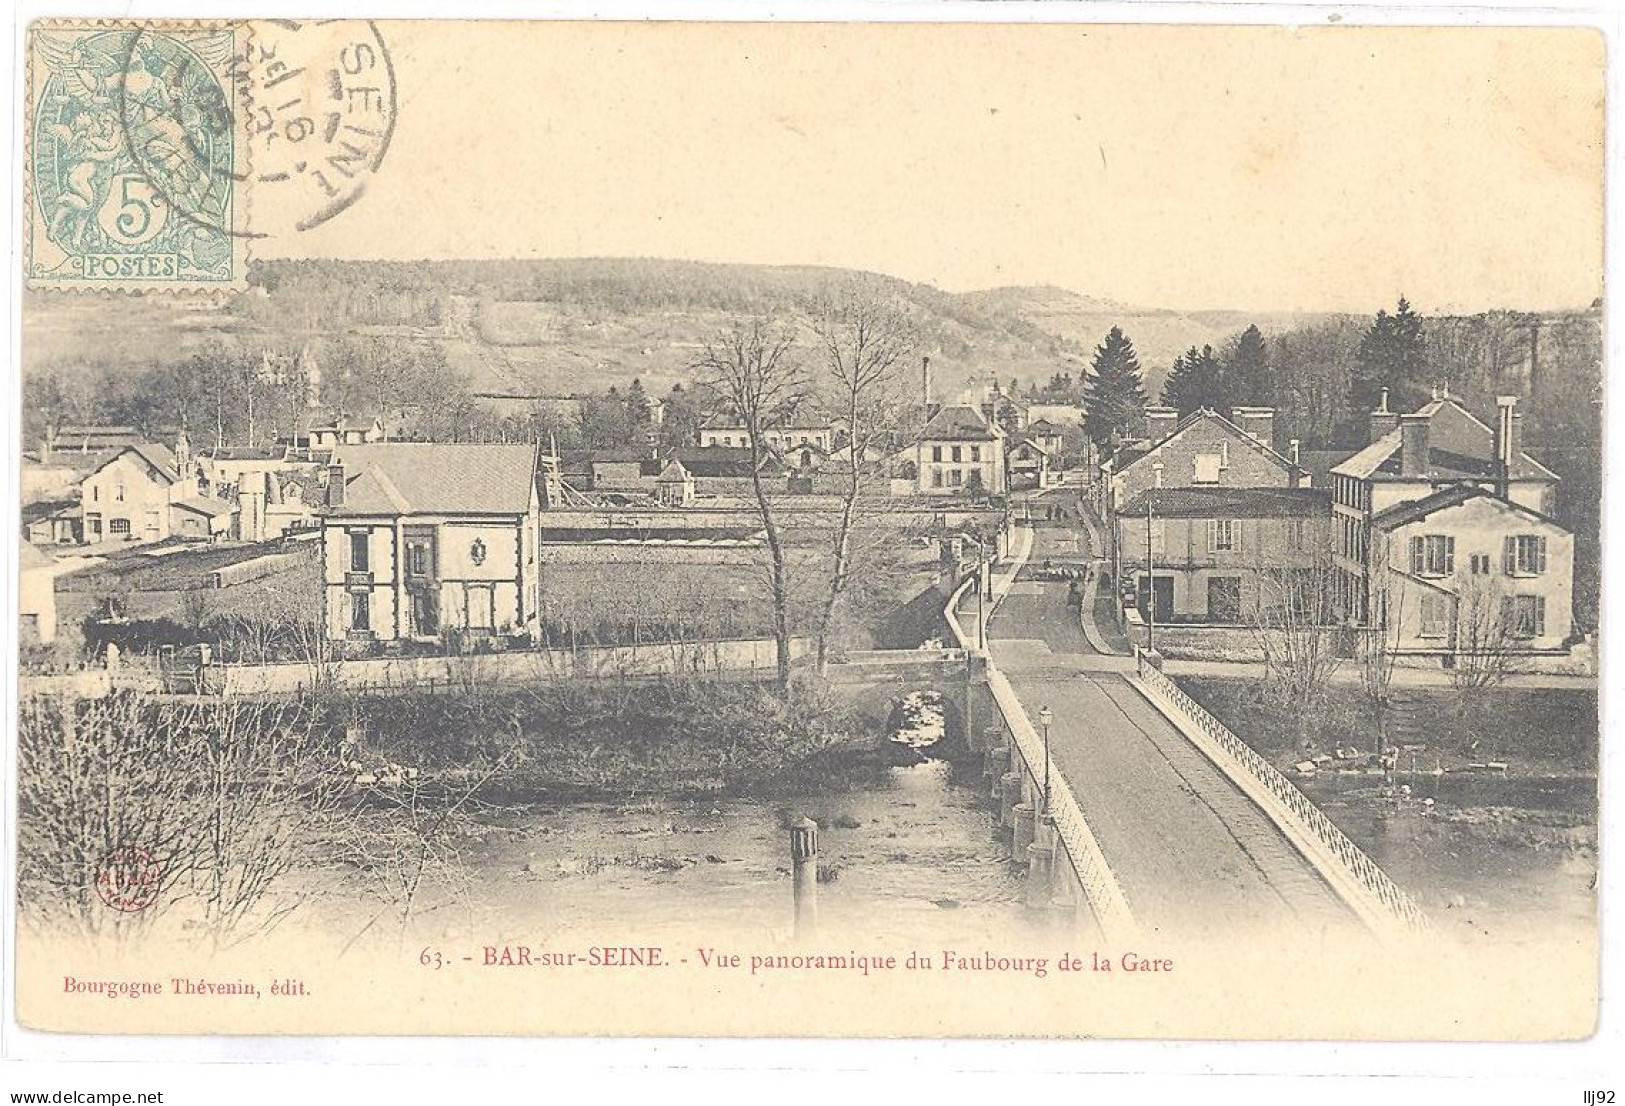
960 450
1213 548
424 539
1412 460
1463 570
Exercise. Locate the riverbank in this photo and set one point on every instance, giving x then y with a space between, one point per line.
1508 851
678 738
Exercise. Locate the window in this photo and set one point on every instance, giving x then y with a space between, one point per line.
1224 455
1433 555
956 477
358 551
1524 555
957 454
360 611
1435 615
1524 616
975 453
936 478
1479 564
120 526
936 453
1221 535
1207 468
1295 538
727 440
95 493
118 492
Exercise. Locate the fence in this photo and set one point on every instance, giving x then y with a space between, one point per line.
1384 903
443 673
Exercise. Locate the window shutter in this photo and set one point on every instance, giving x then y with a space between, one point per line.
1509 555
1449 555
1509 615
1416 556
1540 554
1539 620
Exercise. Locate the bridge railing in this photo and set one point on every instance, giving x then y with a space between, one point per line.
1383 893
1077 841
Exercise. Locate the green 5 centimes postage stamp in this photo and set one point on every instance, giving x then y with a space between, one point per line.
134 156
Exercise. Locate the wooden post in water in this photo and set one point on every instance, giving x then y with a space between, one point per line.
804 874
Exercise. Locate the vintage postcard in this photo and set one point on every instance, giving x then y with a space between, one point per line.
809 529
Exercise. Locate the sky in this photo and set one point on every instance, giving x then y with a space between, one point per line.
1331 169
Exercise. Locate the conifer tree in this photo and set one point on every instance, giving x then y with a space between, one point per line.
1115 392
1392 355
1246 371
1196 381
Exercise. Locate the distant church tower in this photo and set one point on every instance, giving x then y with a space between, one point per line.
183 453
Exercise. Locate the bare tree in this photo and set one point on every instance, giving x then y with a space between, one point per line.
219 800
866 339
751 364
1379 652
1483 641
1290 618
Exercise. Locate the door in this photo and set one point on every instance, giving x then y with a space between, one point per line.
1163 586
422 585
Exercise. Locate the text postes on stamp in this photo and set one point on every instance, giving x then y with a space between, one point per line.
321 112
128 878
134 156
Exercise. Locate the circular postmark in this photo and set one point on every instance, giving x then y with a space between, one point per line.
319 98
128 878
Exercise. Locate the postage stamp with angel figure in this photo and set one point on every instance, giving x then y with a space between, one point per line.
134 157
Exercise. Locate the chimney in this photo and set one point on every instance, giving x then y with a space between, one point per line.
925 379
1257 423
1413 450
1383 421
335 485
1294 444
1508 441
1160 422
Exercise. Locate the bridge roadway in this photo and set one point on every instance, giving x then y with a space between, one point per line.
1195 857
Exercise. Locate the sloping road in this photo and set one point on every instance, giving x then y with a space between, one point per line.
1195 857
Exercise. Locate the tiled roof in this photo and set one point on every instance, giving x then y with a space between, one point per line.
158 456
1460 447
1415 510
1190 502
710 462
436 478
1204 413
958 424
214 508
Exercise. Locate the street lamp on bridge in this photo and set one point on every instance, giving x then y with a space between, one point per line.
1045 717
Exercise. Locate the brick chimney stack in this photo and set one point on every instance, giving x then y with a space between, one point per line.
335 485
1383 421
1415 431
1508 441
1160 422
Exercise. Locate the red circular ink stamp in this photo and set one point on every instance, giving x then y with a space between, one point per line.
127 879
